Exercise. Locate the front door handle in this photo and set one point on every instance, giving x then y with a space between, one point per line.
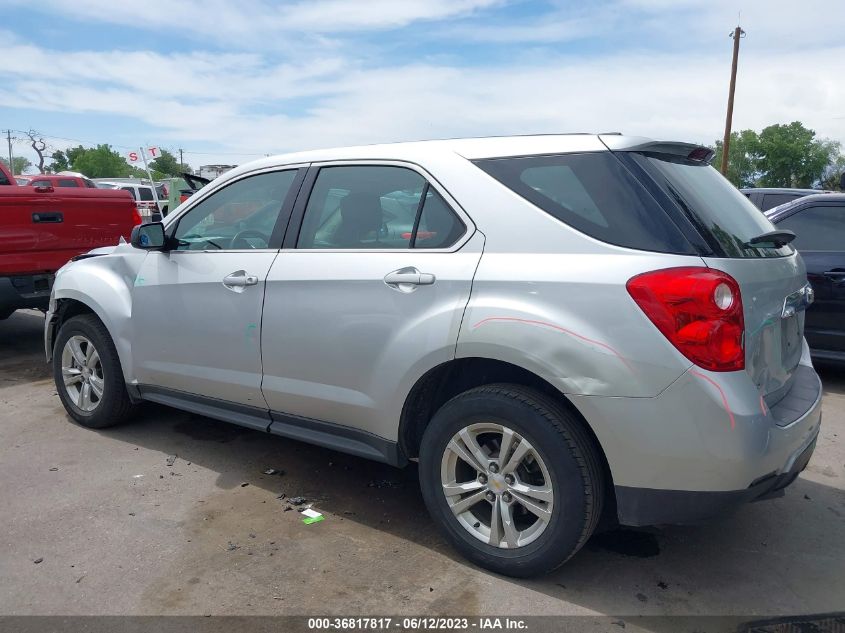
407 279
239 280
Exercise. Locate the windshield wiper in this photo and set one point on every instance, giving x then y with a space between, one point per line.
772 239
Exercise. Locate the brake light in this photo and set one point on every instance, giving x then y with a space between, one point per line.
136 216
699 310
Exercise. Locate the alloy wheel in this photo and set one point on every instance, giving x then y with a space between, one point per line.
82 373
497 485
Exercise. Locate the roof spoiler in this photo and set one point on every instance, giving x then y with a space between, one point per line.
690 151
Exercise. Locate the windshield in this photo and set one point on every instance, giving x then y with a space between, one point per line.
720 212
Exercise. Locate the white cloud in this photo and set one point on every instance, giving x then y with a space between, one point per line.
326 94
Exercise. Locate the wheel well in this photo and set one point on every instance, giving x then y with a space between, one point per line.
445 381
66 309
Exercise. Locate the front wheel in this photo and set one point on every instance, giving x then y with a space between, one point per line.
512 478
87 373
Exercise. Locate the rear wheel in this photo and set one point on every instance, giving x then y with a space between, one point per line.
512 478
88 375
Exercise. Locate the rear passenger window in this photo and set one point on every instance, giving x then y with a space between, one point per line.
67 182
376 207
817 228
594 194
772 200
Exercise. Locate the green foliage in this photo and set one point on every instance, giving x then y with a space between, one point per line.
99 162
19 164
60 162
781 155
742 158
791 156
165 166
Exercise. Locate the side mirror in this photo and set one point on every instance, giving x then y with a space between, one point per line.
44 189
149 237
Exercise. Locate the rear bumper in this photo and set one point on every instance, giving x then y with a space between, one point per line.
646 506
707 443
25 291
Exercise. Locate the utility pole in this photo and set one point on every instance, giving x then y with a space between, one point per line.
9 141
737 34
181 164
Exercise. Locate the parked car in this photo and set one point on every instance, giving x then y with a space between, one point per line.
765 198
143 196
55 180
42 227
573 329
819 223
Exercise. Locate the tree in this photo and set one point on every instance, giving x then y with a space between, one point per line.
99 162
165 165
832 177
742 158
36 140
19 165
791 156
60 162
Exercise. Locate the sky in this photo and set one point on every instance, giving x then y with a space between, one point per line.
229 81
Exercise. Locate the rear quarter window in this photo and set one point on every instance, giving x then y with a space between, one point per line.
720 212
593 193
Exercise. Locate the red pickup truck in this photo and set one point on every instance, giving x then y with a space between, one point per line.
43 227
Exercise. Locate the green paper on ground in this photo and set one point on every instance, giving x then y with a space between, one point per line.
312 516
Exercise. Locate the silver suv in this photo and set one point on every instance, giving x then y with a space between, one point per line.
562 330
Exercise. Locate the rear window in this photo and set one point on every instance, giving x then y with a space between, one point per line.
593 193
146 193
720 212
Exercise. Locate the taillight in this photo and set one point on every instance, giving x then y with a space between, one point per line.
136 216
699 310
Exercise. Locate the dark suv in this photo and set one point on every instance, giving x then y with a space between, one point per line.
819 223
765 198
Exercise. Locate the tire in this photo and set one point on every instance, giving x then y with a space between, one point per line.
561 451
113 406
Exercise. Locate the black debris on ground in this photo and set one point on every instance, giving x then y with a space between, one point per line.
231 547
662 584
53 469
642 597
274 471
171 460
297 501
38 560
244 484
385 483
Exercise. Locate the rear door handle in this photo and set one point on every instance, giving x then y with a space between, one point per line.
48 217
406 279
239 280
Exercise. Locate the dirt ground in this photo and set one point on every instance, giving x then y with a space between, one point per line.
173 514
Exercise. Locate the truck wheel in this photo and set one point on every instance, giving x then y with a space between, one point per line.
88 376
512 479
